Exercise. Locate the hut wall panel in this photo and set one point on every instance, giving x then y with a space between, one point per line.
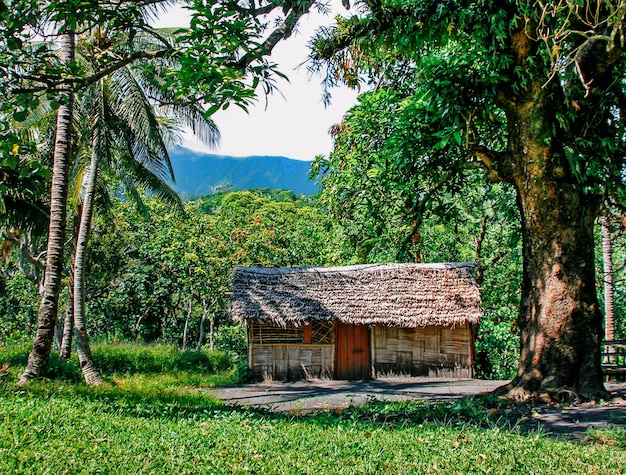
386 356
404 361
434 351
461 336
418 351
291 362
455 347
432 343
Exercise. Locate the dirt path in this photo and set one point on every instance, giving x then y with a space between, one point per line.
305 396
330 394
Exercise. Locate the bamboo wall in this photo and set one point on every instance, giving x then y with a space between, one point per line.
291 362
291 353
431 351
306 352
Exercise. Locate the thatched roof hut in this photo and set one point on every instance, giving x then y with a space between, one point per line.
404 295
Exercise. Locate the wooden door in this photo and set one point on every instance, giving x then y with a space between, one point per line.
352 352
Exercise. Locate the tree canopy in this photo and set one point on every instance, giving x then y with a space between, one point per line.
533 92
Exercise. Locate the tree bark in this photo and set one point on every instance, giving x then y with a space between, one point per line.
212 332
202 322
40 353
609 303
88 366
65 351
559 318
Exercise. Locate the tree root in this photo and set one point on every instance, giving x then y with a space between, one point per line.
519 393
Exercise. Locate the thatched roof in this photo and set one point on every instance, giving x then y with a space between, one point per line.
407 295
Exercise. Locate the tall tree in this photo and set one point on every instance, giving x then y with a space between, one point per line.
551 76
40 352
88 365
129 139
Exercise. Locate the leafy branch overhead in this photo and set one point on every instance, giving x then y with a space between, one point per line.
475 59
221 57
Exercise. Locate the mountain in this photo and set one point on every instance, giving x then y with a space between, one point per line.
200 173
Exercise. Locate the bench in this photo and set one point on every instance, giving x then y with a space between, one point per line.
614 359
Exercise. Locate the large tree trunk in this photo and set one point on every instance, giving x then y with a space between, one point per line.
90 370
40 353
560 319
607 258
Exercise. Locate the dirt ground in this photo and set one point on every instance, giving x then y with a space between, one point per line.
306 396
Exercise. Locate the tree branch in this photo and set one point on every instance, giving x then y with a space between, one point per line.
491 160
79 83
283 31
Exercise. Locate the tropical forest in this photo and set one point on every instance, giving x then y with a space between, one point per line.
484 132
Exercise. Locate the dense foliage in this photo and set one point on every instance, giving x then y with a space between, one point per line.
218 61
147 271
533 93
153 275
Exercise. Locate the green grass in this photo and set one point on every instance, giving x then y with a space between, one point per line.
164 422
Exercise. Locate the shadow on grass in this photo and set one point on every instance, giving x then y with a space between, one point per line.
141 381
160 382
182 402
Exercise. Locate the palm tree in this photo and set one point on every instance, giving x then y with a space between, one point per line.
40 352
24 190
128 140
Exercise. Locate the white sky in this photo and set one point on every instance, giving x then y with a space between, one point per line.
296 125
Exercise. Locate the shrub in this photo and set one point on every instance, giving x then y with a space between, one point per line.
497 345
233 340
134 358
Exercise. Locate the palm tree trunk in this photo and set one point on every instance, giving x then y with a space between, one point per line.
609 303
90 370
65 350
40 353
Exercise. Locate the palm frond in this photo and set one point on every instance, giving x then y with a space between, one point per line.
141 178
24 196
182 109
152 10
123 143
203 128
128 100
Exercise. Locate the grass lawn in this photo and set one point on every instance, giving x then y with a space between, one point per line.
155 416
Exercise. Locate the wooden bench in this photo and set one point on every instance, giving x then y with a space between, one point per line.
614 359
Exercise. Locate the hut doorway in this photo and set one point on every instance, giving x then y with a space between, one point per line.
352 352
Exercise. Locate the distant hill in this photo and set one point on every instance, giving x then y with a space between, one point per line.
199 174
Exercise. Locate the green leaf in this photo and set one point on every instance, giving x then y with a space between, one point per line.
20 115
